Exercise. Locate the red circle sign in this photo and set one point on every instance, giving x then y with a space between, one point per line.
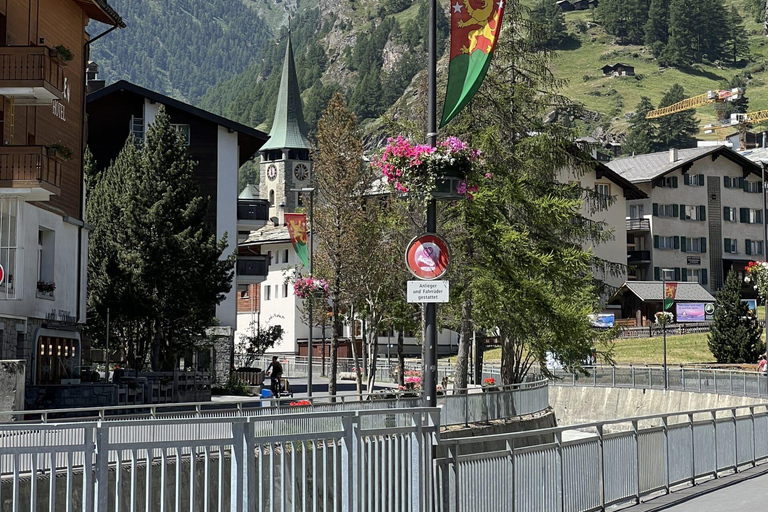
2 274
427 257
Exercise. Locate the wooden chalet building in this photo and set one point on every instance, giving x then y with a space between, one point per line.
43 240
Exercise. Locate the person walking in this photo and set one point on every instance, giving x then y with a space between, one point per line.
275 376
761 365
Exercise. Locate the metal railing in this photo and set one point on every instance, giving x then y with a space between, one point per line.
701 380
361 460
458 407
638 225
598 471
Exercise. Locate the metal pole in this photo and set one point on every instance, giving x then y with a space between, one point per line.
664 320
106 351
312 300
765 248
430 334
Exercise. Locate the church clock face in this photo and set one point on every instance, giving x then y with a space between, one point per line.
301 172
272 172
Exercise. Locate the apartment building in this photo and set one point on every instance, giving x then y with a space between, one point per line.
43 241
609 206
220 147
703 215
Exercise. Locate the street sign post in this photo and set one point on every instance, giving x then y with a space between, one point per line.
428 292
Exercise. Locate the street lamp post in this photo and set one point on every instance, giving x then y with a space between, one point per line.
664 319
311 191
763 163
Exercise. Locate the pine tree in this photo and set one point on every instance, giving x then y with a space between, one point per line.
677 130
551 23
657 27
642 136
625 19
681 49
155 263
735 335
737 44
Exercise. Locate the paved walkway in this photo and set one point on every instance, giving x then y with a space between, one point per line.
748 495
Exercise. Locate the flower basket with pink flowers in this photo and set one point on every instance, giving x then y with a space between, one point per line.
422 172
306 287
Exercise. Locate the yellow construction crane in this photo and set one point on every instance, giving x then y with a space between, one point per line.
741 122
696 101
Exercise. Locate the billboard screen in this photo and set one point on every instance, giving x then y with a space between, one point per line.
691 312
602 320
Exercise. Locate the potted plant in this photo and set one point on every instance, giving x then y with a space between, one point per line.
306 287
422 172
46 288
300 403
489 384
61 151
63 53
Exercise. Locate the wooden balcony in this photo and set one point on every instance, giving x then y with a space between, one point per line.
252 214
251 269
31 75
30 171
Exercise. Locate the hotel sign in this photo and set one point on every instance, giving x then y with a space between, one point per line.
59 109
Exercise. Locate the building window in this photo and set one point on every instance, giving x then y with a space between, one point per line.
753 247
693 212
45 262
285 256
670 182
299 200
267 290
665 210
137 128
10 248
271 198
694 274
269 257
750 216
602 196
754 187
244 292
185 132
731 245
666 242
696 180
636 211
285 290
729 214
693 244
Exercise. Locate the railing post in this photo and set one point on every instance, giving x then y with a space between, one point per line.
735 443
693 450
594 376
102 467
714 379
243 474
601 469
511 450
714 427
88 469
699 371
560 473
682 377
613 374
637 460
349 464
632 370
665 424
466 408
455 497
730 381
754 437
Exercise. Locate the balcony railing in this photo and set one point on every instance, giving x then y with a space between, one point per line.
252 210
638 256
32 75
638 225
30 167
252 269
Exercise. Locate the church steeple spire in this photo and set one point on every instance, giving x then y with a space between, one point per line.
288 128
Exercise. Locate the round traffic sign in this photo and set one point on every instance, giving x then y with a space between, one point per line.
709 309
427 257
2 274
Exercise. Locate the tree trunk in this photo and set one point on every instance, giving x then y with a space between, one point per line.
765 19
507 358
461 371
479 349
355 360
400 359
372 354
364 356
334 343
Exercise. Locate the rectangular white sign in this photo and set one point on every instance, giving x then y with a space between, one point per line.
427 291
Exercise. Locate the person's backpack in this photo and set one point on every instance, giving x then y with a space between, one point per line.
277 367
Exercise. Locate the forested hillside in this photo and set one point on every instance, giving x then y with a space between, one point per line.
181 47
371 50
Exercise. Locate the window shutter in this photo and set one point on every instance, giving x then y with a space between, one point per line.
703 244
685 274
701 180
702 213
656 274
676 209
674 181
676 242
686 179
655 209
759 216
655 241
703 276
727 181
677 273
742 184
744 215
682 244
747 246
726 213
727 245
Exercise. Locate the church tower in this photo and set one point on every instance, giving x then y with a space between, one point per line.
285 163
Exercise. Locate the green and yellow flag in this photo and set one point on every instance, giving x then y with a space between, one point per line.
475 27
297 228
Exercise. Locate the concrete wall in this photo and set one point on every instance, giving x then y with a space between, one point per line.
12 385
573 405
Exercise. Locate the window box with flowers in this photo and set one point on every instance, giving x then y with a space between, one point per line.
421 172
45 289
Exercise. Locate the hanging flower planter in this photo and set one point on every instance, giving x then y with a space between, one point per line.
306 287
757 276
421 172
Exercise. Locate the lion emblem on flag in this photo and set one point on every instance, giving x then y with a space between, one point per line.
483 20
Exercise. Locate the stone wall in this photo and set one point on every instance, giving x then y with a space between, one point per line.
574 405
64 397
12 377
